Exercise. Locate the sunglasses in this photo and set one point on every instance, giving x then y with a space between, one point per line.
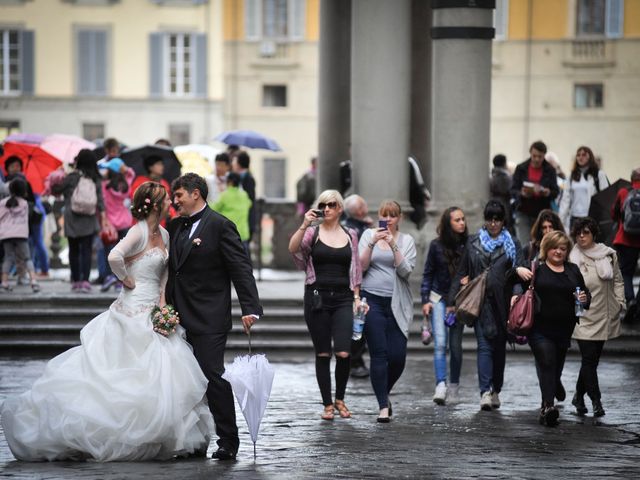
331 205
584 232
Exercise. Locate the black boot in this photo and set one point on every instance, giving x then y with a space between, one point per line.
578 402
598 411
561 394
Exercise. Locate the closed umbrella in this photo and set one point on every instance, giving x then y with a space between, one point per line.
65 147
38 164
248 138
251 378
134 157
600 209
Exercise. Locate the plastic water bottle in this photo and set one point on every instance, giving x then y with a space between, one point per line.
579 309
358 320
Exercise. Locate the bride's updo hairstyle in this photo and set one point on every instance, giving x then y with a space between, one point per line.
147 196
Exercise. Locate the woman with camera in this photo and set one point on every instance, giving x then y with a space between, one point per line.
328 253
442 262
495 251
388 258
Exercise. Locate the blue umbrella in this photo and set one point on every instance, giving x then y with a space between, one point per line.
248 138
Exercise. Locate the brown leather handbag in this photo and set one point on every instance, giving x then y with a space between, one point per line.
522 312
470 298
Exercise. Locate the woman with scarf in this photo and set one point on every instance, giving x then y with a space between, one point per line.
494 250
599 267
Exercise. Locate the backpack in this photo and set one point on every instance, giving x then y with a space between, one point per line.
306 189
84 199
631 213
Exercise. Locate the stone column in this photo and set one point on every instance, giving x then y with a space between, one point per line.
380 99
334 91
461 104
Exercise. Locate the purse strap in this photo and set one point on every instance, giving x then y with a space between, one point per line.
533 272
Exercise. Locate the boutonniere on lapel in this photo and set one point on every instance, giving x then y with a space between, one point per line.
196 242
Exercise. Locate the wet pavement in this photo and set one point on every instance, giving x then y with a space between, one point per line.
422 441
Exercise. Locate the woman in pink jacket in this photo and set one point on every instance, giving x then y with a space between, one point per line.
14 233
115 192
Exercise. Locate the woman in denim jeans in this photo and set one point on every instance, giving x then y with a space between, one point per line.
495 251
388 258
441 264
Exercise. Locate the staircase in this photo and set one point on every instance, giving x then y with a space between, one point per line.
51 323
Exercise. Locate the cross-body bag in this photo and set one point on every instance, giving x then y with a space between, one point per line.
522 312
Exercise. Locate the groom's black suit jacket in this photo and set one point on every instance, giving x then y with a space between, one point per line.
199 282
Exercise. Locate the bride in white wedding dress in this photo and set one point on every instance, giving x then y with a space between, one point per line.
126 393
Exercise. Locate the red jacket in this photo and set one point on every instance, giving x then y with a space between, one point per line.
623 238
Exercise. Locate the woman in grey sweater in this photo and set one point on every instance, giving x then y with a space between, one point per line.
388 258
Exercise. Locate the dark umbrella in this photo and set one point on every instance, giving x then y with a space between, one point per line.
600 209
37 163
248 138
134 157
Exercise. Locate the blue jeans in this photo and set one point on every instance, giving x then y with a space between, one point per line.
441 335
387 346
101 258
491 360
36 244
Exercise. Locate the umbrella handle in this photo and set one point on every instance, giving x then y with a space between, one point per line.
249 335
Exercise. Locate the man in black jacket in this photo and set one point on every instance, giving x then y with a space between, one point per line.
534 186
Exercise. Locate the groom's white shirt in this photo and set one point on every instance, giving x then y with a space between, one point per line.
195 224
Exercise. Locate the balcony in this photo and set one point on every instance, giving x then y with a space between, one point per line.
272 54
589 53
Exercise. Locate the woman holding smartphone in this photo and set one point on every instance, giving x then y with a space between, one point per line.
328 253
388 258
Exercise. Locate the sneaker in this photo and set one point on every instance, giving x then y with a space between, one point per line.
85 287
108 283
453 393
551 415
23 279
495 400
485 401
441 393
118 286
359 372
76 286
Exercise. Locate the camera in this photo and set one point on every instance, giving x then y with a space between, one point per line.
319 213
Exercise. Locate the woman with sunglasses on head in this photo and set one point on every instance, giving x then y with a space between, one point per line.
328 253
546 222
442 262
388 258
599 267
585 181
494 250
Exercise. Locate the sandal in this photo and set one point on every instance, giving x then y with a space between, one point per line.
342 409
35 288
327 414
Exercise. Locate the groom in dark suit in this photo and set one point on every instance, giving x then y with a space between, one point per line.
206 255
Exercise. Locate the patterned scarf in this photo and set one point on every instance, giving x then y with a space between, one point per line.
503 240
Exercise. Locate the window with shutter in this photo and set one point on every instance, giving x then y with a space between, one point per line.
10 62
615 14
92 69
501 19
281 20
600 17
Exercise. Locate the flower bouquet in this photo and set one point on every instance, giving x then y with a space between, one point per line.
165 319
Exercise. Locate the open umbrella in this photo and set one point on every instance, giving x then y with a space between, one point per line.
134 157
65 147
248 138
600 209
197 158
251 378
37 163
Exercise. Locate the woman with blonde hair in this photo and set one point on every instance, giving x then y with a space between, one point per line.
388 258
328 253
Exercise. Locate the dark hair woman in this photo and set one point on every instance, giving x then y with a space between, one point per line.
495 251
546 222
440 266
599 267
586 180
80 229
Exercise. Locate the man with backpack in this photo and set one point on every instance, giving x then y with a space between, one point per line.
626 212
306 188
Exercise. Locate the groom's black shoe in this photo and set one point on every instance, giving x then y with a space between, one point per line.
224 453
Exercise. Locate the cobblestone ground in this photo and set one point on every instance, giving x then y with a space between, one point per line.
422 441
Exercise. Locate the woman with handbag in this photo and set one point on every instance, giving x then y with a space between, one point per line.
599 267
440 266
556 283
328 253
495 253
388 257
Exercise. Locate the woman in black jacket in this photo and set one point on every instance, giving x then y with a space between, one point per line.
492 249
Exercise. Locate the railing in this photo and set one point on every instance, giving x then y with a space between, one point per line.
589 53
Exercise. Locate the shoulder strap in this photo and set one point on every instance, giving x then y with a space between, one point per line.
316 233
596 181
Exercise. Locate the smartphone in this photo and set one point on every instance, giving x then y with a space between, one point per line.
319 213
382 224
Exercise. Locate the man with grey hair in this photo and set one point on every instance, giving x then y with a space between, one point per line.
357 217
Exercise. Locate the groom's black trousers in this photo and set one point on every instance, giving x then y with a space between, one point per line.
209 351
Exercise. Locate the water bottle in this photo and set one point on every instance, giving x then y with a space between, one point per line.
358 320
579 309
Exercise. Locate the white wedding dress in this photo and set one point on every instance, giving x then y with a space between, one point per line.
127 393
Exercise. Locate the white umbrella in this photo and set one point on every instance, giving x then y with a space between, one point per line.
251 378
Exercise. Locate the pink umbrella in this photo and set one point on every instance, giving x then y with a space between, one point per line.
65 147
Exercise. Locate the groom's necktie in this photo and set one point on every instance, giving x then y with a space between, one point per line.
185 230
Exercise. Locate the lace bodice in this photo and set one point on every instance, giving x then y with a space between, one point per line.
148 270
